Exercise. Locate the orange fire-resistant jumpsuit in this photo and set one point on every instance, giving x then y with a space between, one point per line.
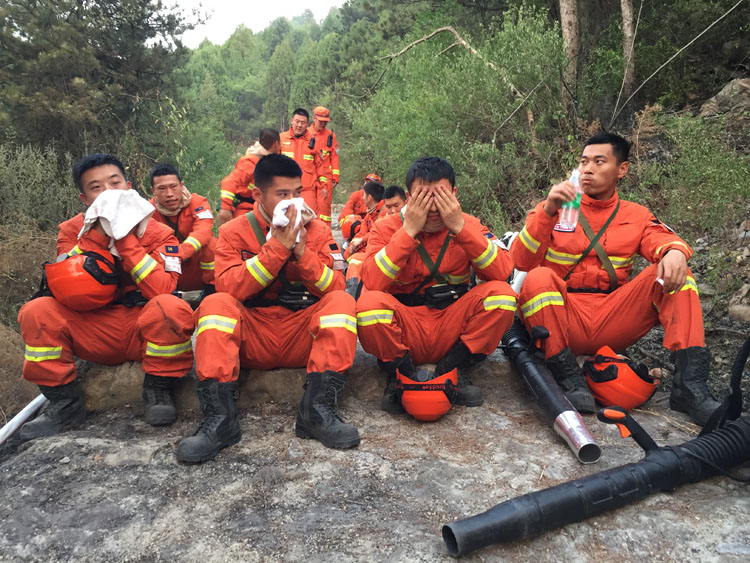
355 205
355 257
388 329
243 327
157 334
580 313
193 227
309 160
237 187
327 147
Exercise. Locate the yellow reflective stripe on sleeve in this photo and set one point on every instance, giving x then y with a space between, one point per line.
540 301
353 260
207 265
325 279
335 171
288 153
226 194
143 268
194 242
168 350
689 285
258 271
42 353
322 179
506 302
386 266
339 321
622 262
342 219
75 251
528 241
678 242
216 322
456 279
326 218
561 257
308 157
374 316
487 257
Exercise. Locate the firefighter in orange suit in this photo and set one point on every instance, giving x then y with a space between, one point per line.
355 250
237 187
190 218
355 205
153 327
571 294
297 143
327 147
282 305
404 318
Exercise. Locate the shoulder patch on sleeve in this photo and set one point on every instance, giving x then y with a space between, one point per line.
170 249
334 247
205 214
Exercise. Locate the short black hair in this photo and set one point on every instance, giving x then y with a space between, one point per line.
92 161
374 189
620 147
394 191
267 137
301 111
272 166
430 169
163 169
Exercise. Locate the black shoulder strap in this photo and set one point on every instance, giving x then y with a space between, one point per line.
606 262
261 236
432 266
595 243
177 233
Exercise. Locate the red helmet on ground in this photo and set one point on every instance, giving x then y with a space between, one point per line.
617 380
84 282
350 226
427 400
373 178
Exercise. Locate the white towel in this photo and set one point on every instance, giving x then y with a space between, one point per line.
304 213
118 211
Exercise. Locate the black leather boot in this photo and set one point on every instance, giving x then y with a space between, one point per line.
570 378
690 394
390 402
65 409
220 427
460 357
157 396
317 415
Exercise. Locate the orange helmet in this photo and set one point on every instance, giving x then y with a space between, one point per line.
373 178
350 226
618 381
427 400
84 282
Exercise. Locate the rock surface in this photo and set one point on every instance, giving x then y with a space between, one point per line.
112 489
734 97
739 304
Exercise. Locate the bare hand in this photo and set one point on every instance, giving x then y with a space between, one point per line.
299 248
324 191
416 212
356 243
673 270
559 194
287 235
98 228
449 208
224 216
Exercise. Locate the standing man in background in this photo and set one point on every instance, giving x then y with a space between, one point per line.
327 147
298 143
237 187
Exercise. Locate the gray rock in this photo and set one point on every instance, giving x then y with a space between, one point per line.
739 304
734 97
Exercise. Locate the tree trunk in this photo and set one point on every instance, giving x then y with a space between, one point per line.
569 22
628 33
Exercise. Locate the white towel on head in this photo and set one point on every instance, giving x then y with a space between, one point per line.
304 213
118 211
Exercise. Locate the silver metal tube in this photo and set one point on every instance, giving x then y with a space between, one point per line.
570 426
17 421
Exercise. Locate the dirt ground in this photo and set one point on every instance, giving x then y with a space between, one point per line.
113 490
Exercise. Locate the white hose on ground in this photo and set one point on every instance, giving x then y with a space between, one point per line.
17 421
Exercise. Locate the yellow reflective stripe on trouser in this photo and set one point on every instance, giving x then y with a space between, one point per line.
322 179
506 302
207 265
335 172
192 241
339 321
561 257
288 153
326 218
540 301
487 257
75 251
226 194
374 316
528 241
216 322
325 279
168 350
308 157
690 285
258 271
143 268
386 266
42 353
